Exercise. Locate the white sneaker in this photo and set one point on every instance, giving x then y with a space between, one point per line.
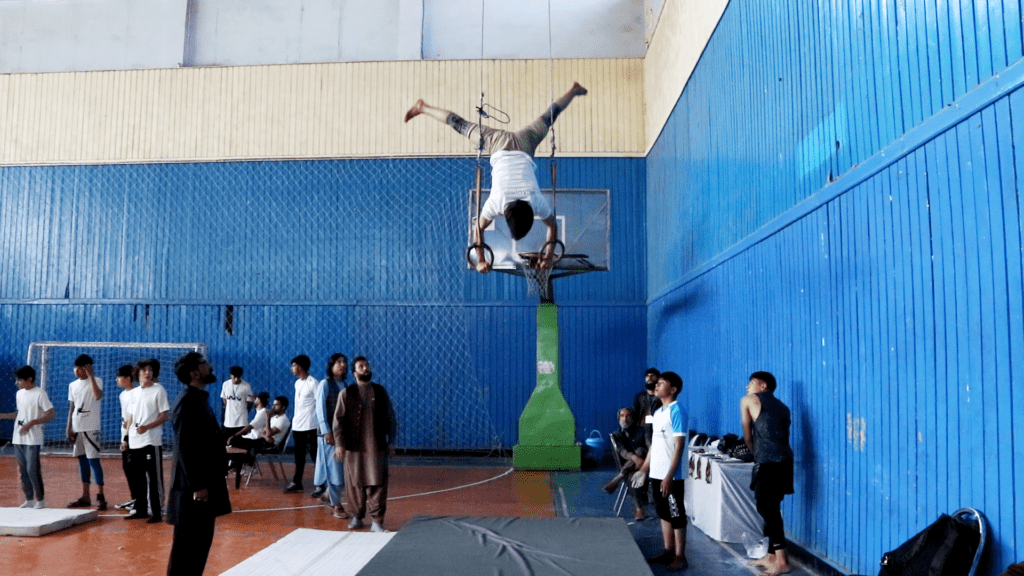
377 527
28 504
40 504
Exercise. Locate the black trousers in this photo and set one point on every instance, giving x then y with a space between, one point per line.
147 473
193 536
305 441
772 481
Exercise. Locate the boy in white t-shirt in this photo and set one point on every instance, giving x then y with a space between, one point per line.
149 410
84 395
664 464
236 397
34 410
304 425
125 381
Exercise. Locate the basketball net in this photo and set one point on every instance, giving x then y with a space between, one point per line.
538 278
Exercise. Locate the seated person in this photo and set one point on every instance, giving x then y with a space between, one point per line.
271 436
252 431
631 442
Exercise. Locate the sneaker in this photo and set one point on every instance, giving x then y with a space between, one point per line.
155 519
40 504
126 505
355 524
80 503
340 514
377 527
136 516
101 503
292 488
320 490
28 504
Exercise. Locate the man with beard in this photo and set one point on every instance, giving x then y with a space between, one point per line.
631 443
198 491
364 429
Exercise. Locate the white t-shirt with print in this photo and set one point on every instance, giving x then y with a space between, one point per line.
86 417
236 399
669 424
513 178
32 404
305 404
146 405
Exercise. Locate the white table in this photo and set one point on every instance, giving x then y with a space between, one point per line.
723 509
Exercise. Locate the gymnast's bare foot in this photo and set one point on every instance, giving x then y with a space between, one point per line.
777 570
765 561
417 109
577 90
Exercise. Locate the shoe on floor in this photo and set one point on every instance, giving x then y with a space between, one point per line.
28 504
136 516
155 519
292 488
377 527
101 503
355 524
640 515
126 505
40 504
80 503
318 492
340 514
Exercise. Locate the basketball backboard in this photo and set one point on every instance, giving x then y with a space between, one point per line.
583 217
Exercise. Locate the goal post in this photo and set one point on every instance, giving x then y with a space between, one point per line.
54 365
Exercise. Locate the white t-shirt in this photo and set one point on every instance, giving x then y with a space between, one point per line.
669 424
513 178
236 399
305 404
282 423
32 404
259 424
86 417
126 398
146 405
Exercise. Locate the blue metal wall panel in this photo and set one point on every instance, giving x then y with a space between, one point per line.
891 312
358 256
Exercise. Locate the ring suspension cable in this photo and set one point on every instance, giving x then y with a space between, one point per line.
551 93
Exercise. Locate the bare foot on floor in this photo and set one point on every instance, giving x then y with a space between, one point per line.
764 561
776 570
415 111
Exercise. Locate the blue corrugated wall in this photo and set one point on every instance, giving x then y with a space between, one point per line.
358 256
798 222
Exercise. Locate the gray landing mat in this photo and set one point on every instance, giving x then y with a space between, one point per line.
473 546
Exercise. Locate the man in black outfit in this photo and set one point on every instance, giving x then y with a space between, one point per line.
631 443
199 492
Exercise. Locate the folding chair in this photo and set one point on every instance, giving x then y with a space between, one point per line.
620 496
976 520
273 456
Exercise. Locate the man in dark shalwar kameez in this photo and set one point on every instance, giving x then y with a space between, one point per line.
364 430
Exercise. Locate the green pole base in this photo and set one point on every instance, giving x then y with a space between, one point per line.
525 457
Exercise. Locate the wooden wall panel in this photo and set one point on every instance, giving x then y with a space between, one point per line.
308 111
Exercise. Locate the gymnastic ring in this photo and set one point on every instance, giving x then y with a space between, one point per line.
555 254
485 248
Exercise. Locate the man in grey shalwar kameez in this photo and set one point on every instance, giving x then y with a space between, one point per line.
364 429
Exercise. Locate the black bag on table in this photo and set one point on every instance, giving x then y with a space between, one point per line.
946 548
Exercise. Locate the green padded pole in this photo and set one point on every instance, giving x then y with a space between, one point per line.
547 428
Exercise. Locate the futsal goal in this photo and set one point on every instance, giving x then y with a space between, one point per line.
54 364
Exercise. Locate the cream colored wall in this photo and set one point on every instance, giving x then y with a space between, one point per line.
307 111
683 31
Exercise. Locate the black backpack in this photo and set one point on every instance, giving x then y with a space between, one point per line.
946 548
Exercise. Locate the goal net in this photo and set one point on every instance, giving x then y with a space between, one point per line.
54 363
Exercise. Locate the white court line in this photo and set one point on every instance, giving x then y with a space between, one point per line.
565 507
502 475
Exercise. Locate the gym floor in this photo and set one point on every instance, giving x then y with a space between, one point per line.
263 514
